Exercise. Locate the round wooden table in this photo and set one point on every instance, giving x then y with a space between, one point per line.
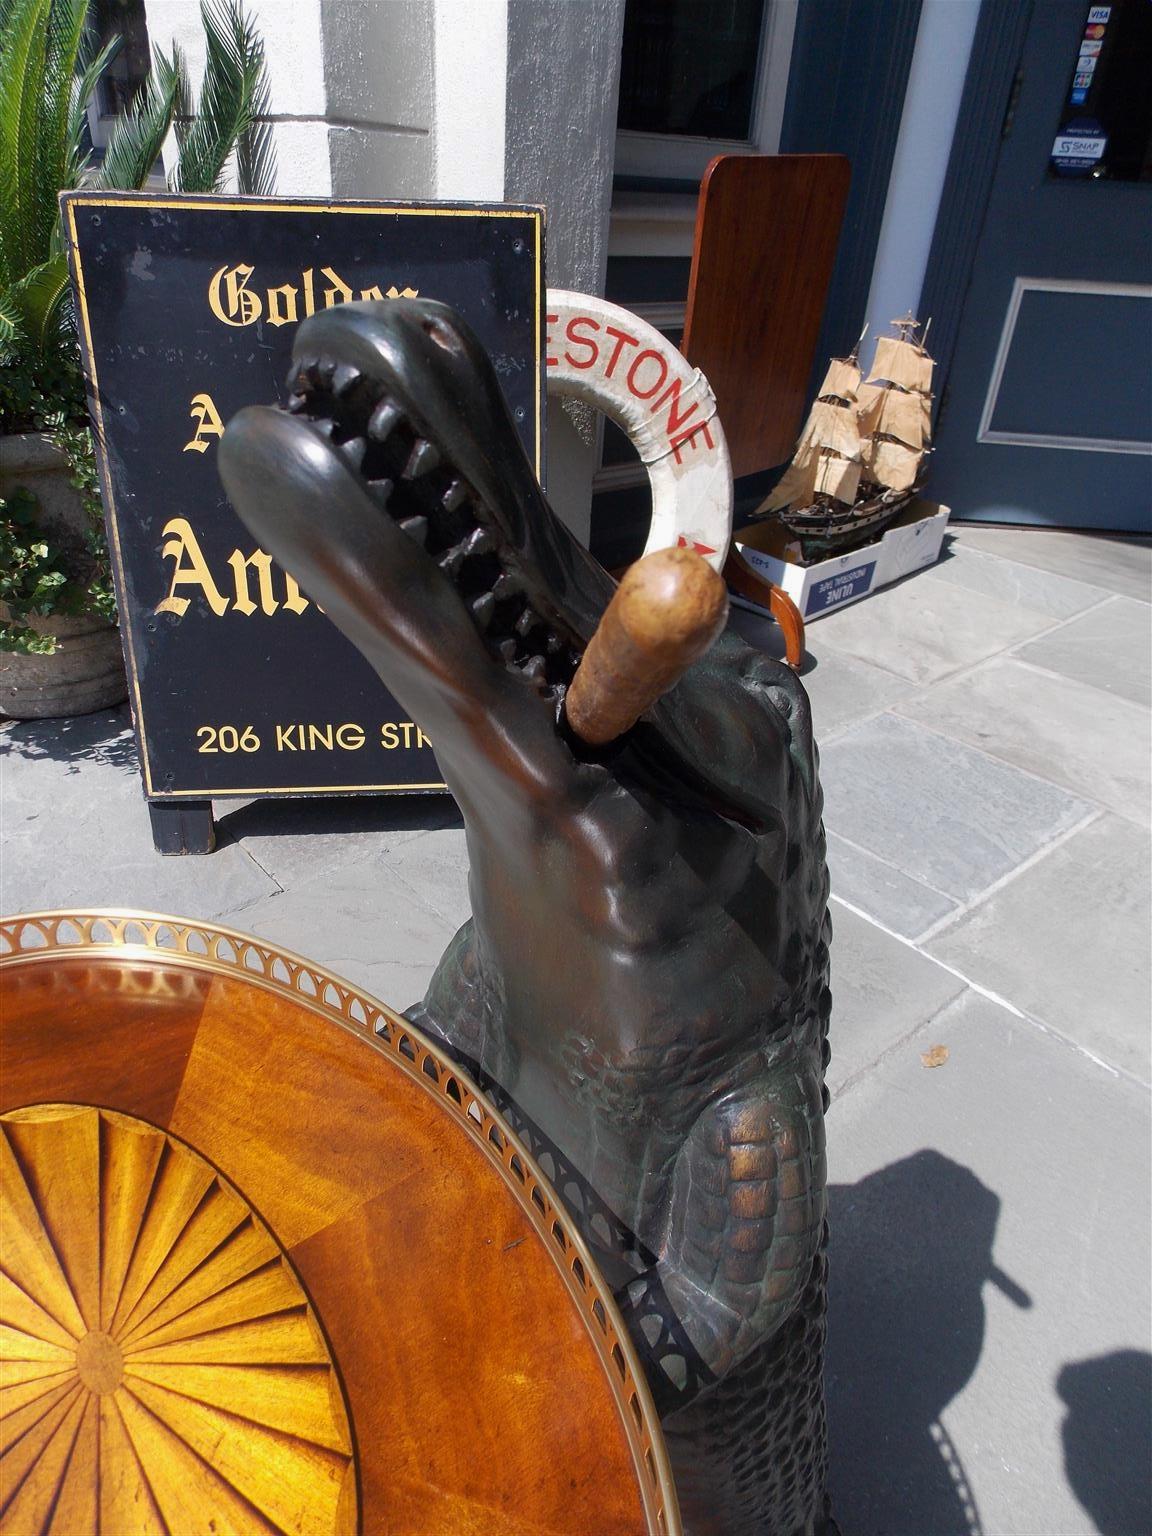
269 1262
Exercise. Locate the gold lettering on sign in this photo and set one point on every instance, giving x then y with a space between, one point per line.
339 292
284 295
190 570
262 565
393 731
230 298
301 737
294 599
202 409
235 303
392 293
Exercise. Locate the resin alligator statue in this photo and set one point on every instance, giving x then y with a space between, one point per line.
643 982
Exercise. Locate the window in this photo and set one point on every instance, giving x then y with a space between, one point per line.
689 67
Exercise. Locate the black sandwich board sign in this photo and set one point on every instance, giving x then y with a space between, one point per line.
187 308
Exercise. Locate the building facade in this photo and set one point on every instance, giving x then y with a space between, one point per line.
950 111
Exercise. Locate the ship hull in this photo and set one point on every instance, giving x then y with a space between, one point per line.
823 531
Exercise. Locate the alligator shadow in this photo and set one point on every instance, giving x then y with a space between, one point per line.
1107 1434
911 1253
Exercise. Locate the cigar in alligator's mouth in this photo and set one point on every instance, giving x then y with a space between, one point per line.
409 477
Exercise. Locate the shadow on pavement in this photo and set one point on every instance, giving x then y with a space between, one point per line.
911 1254
333 814
762 633
1107 1435
105 738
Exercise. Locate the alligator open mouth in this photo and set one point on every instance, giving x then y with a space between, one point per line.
386 437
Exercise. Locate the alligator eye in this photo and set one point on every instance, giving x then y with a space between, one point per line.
442 336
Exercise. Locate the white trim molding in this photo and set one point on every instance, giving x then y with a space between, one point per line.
1021 286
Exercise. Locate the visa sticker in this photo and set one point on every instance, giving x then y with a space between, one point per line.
1099 14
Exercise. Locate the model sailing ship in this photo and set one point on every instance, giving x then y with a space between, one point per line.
862 454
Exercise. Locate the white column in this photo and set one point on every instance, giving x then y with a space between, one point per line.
470 70
927 125
563 85
379 72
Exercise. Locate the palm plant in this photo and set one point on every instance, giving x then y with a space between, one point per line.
49 68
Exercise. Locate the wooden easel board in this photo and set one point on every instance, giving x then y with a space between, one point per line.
767 229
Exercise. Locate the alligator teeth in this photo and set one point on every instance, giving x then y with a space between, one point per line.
507 651
344 376
554 645
321 371
379 489
416 528
483 607
423 458
535 669
297 401
324 425
454 495
525 622
353 451
506 586
382 421
451 562
480 542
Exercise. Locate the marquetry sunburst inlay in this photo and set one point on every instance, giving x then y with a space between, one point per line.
161 1368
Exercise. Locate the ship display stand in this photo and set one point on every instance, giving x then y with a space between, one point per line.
848 515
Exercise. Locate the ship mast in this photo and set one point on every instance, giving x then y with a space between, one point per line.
828 456
895 409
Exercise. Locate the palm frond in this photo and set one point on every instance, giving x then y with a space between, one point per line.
23 240
66 29
138 136
9 324
33 304
255 151
89 67
227 108
185 114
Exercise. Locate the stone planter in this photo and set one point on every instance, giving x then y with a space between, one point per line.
86 670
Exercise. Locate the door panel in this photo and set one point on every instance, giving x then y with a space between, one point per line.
1047 409
1063 375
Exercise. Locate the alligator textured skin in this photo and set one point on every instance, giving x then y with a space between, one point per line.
643 982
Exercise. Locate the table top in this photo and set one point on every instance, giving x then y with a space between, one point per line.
268 1253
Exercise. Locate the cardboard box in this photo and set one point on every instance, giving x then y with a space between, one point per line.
913 541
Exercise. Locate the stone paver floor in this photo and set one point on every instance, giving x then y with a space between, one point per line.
985 738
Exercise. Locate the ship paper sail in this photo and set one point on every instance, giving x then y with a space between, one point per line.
863 449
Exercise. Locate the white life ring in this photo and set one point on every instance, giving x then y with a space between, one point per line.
623 366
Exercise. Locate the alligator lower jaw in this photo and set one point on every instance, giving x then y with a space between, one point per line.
409 478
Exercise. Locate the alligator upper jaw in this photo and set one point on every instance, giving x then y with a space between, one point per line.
408 371
408 401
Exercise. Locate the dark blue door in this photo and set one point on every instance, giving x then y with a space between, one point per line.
1046 415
